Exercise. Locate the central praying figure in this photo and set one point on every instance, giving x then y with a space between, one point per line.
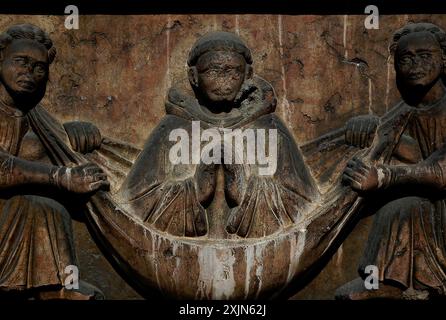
222 95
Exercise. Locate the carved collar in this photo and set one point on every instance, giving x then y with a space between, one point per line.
10 111
255 99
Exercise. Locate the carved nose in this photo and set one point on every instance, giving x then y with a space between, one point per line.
417 61
27 67
226 90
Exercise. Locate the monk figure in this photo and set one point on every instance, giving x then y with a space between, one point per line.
222 96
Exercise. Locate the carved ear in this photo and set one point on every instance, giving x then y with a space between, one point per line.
443 57
248 71
193 76
444 63
51 54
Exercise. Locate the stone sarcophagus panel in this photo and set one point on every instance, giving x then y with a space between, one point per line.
221 157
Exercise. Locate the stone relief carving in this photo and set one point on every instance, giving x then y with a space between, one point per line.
36 242
158 214
407 241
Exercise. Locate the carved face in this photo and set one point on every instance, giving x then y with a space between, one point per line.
419 60
24 68
220 75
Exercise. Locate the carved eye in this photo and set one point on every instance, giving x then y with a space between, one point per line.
405 60
234 72
212 72
39 69
19 61
425 56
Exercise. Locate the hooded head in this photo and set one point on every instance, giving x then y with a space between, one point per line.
219 63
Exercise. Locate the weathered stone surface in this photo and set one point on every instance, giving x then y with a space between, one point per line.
115 71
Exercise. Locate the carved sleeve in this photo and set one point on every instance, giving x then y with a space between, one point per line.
169 197
84 136
263 204
407 150
15 172
429 172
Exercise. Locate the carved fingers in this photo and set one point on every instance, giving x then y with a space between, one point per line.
359 131
360 175
94 177
84 179
84 136
205 182
235 183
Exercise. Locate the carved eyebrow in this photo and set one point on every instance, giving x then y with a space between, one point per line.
426 50
213 65
406 52
25 56
20 56
207 67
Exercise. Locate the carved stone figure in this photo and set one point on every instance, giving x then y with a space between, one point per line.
165 228
202 212
404 168
36 243
225 95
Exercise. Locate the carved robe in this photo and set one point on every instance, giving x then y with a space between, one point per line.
165 195
408 238
36 243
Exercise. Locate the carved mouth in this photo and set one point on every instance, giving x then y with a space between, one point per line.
416 76
26 84
222 93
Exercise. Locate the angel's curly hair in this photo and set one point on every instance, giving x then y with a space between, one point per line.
27 31
410 28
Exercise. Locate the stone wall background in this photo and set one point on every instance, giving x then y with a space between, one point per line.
115 71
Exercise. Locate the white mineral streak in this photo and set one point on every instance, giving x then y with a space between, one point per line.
370 96
145 232
176 270
259 268
285 103
381 177
169 24
154 256
344 39
339 256
249 255
297 244
237 25
215 23
216 279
